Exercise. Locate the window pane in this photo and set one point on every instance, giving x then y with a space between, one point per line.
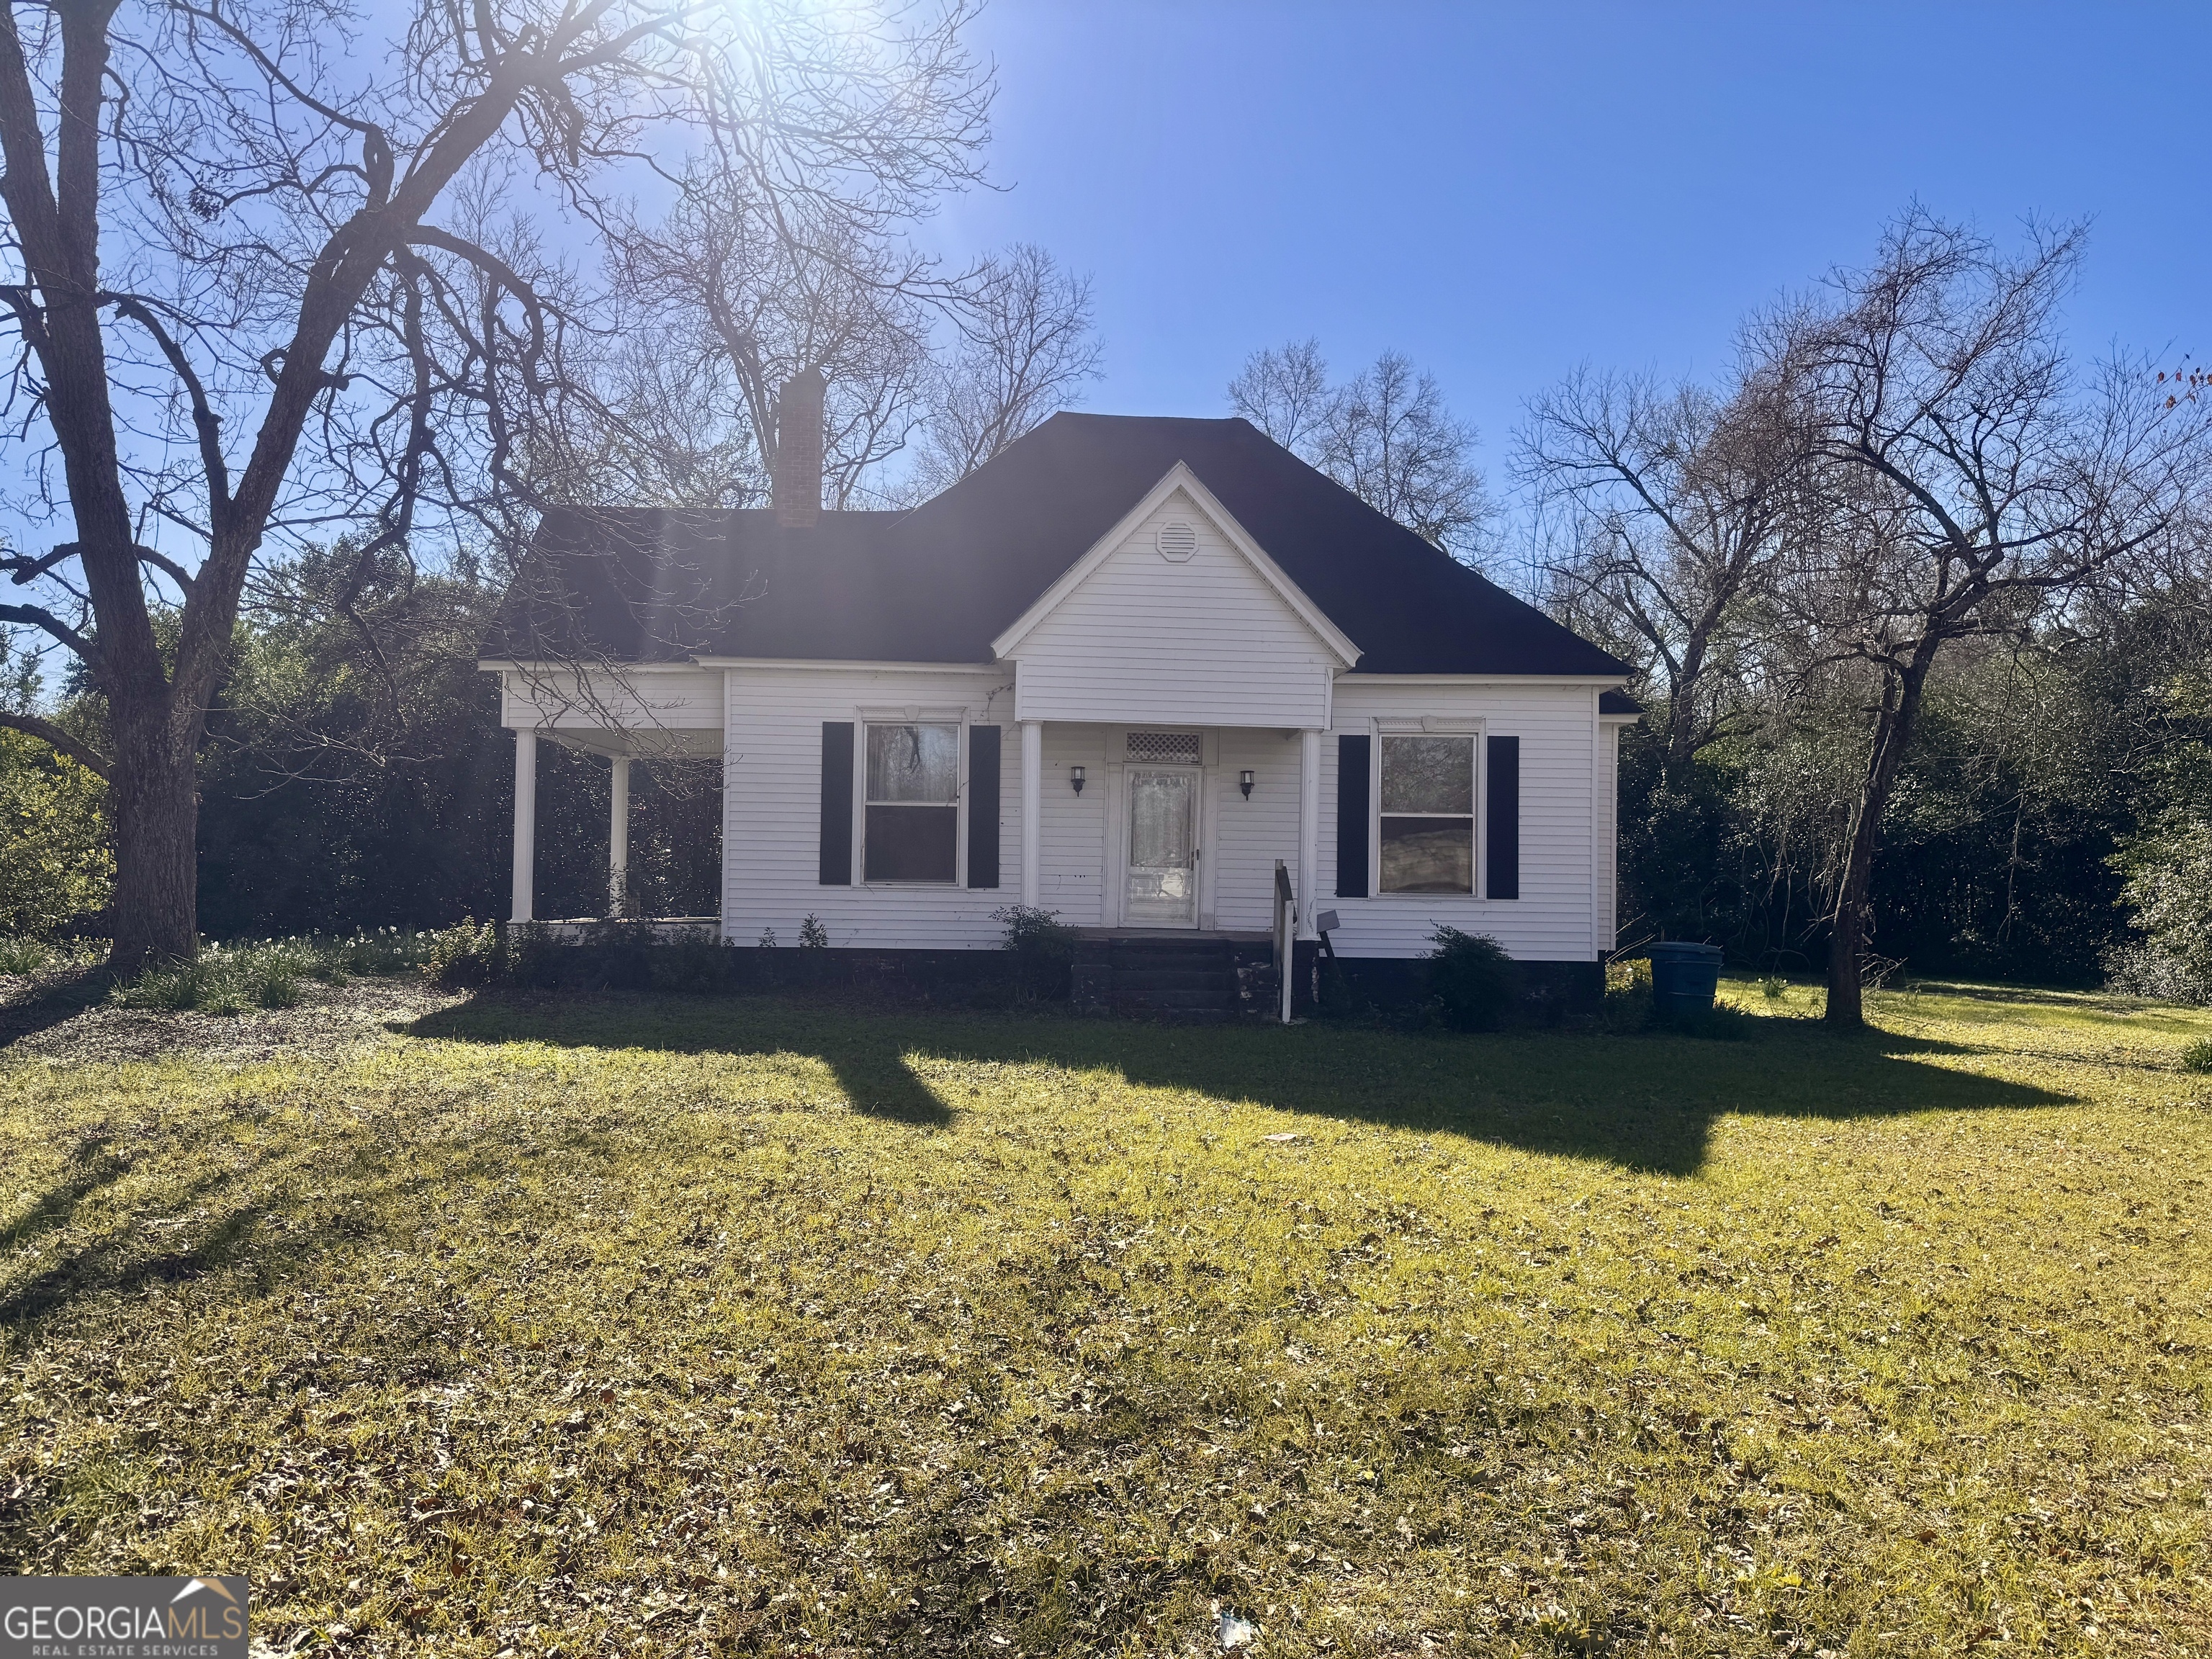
911 843
914 763
1159 819
1428 855
1428 775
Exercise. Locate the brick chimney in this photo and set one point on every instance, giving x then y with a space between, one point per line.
796 488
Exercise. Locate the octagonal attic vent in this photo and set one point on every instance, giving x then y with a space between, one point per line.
1176 541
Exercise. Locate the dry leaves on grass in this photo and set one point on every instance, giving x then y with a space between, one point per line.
732 1327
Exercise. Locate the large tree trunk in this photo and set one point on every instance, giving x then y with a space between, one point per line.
153 803
1847 937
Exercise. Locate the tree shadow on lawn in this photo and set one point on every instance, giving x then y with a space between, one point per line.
46 1003
224 1216
1645 1103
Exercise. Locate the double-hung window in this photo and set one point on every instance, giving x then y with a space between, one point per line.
911 827
1427 815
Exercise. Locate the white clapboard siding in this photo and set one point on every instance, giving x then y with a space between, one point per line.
1556 918
1072 827
689 699
772 768
1142 639
771 825
1251 835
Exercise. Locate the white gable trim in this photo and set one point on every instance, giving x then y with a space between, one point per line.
1180 477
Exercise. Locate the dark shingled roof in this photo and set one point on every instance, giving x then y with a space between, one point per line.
1618 703
938 583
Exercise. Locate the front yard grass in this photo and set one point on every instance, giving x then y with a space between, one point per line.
720 1325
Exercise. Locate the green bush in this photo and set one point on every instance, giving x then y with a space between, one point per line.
1043 949
27 954
2169 884
227 979
1774 987
1474 984
691 959
1627 996
56 863
464 956
375 953
2197 1057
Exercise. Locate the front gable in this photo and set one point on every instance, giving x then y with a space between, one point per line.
1176 616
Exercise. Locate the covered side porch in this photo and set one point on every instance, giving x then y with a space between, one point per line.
669 721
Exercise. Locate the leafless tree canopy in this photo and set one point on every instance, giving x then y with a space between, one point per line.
930 373
1907 467
1385 434
276 274
1025 351
1671 506
1969 481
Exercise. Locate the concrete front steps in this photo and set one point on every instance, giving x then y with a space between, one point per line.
1188 978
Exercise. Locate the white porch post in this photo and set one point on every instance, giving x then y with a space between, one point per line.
1032 806
526 819
1308 829
619 835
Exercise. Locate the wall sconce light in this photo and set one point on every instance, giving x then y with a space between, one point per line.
1075 777
1244 782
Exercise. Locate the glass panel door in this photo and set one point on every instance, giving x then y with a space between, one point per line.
1162 891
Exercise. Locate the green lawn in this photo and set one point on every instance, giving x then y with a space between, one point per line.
634 1326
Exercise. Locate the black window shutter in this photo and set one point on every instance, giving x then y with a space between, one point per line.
983 807
1352 773
1505 823
836 803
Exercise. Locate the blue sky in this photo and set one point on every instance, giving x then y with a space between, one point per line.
1502 193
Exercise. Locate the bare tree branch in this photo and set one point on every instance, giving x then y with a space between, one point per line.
59 740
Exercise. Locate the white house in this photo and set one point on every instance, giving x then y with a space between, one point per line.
1119 673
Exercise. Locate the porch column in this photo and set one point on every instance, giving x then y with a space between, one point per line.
1308 829
526 819
1032 806
619 835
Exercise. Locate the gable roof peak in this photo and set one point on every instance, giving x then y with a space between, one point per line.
1179 479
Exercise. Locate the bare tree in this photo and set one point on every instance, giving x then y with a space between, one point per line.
1971 483
1677 504
1025 350
740 289
1385 435
222 216
1284 392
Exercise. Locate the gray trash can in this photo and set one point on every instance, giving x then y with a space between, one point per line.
1683 979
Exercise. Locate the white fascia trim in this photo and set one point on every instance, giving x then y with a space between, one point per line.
1603 681
832 666
1180 477
1618 720
510 666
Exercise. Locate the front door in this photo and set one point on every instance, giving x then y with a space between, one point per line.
1162 886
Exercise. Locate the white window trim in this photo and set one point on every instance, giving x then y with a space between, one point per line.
1475 729
880 714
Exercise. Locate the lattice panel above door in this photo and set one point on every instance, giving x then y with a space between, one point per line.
1165 748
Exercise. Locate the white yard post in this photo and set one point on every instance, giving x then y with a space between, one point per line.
1309 828
1032 806
619 835
526 819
